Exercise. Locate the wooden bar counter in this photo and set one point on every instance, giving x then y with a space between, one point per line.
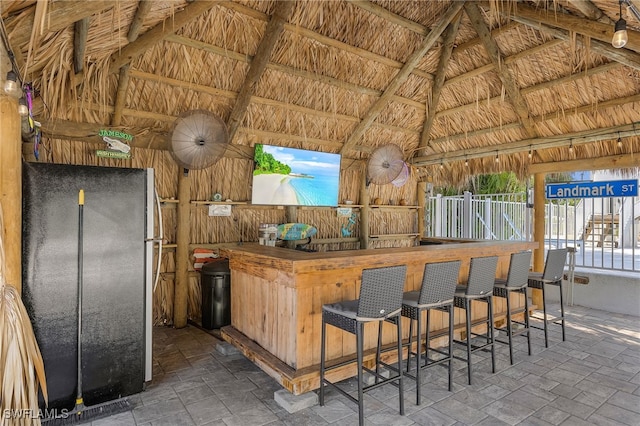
277 296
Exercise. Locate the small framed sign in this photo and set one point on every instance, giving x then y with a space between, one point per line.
219 209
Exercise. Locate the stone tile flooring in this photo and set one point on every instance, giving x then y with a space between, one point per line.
593 378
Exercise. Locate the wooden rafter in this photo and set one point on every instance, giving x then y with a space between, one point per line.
259 63
509 83
524 91
621 161
591 11
623 56
593 29
541 118
575 139
80 31
156 34
438 83
401 76
144 7
121 93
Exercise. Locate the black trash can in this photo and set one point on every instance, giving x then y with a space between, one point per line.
215 282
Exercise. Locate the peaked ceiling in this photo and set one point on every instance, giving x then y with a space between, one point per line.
475 86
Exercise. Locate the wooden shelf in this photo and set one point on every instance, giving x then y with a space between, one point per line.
392 236
232 203
383 206
169 200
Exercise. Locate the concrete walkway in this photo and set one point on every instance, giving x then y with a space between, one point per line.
591 379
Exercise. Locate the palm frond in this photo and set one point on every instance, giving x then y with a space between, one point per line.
21 365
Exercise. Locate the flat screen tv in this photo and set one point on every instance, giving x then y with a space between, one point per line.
295 177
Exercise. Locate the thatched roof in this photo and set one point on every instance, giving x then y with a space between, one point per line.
449 82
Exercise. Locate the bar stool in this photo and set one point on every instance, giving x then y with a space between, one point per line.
516 282
380 299
552 275
482 274
439 283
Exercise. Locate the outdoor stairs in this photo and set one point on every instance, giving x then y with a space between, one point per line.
601 229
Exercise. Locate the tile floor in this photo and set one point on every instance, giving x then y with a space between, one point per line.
593 378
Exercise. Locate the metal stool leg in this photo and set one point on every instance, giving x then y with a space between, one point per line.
450 346
468 313
544 311
490 332
400 379
322 362
526 319
359 356
509 327
561 310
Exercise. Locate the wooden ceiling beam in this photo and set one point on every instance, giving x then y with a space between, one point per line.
402 76
621 161
510 85
327 41
272 34
445 54
623 56
591 11
389 16
228 94
144 7
542 118
526 90
507 60
121 94
593 29
156 34
524 145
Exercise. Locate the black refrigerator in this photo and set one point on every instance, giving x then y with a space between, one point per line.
116 277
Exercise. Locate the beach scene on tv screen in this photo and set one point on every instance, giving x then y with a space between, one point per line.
289 176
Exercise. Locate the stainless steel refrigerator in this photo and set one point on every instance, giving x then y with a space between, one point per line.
117 254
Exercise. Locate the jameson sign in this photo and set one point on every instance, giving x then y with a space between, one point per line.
612 188
115 134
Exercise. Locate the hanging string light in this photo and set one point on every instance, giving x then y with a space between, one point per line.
497 158
530 152
619 141
620 36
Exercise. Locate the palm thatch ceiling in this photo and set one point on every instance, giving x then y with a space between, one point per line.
475 86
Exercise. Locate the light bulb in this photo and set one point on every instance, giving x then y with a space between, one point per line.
530 154
11 86
466 163
441 165
619 142
571 147
23 109
620 37
497 158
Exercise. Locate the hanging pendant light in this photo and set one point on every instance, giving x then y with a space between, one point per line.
620 36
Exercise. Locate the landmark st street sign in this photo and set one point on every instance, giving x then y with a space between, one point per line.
612 188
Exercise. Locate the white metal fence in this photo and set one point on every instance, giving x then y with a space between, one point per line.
604 231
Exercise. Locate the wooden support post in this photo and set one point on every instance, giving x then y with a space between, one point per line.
364 212
538 231
422 203
11 188
181 290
